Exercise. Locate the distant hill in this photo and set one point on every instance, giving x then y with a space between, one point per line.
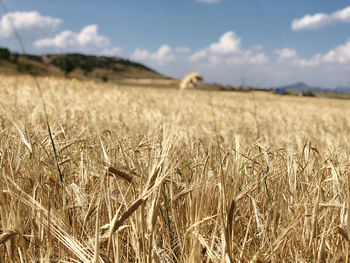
75 66
342 89
301 86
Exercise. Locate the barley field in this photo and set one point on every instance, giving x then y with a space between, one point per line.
159 175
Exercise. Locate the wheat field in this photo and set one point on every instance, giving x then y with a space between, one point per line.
159 175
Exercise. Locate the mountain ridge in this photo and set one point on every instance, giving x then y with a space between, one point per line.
302 86
75 65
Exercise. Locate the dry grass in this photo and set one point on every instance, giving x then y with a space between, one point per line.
155 175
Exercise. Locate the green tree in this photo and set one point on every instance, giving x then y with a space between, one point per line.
5 54
104 78
66 65
15 57
87 67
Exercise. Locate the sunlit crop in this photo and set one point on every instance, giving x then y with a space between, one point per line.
162 175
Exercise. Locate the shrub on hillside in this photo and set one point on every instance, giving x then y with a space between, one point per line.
15 57
104 78
5 54
87 67
26 68
66 65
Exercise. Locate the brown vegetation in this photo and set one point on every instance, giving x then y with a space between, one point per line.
81 66
157 175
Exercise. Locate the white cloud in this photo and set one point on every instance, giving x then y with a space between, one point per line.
89 35
228 51
183 49
311 22
248 57
87 39
328 69
111 52
26 21
229 43
340 54
199 55
208 1
290 56
337 55
162 56
286 54
342 15
320 20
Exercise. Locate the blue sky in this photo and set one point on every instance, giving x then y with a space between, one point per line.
262 42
